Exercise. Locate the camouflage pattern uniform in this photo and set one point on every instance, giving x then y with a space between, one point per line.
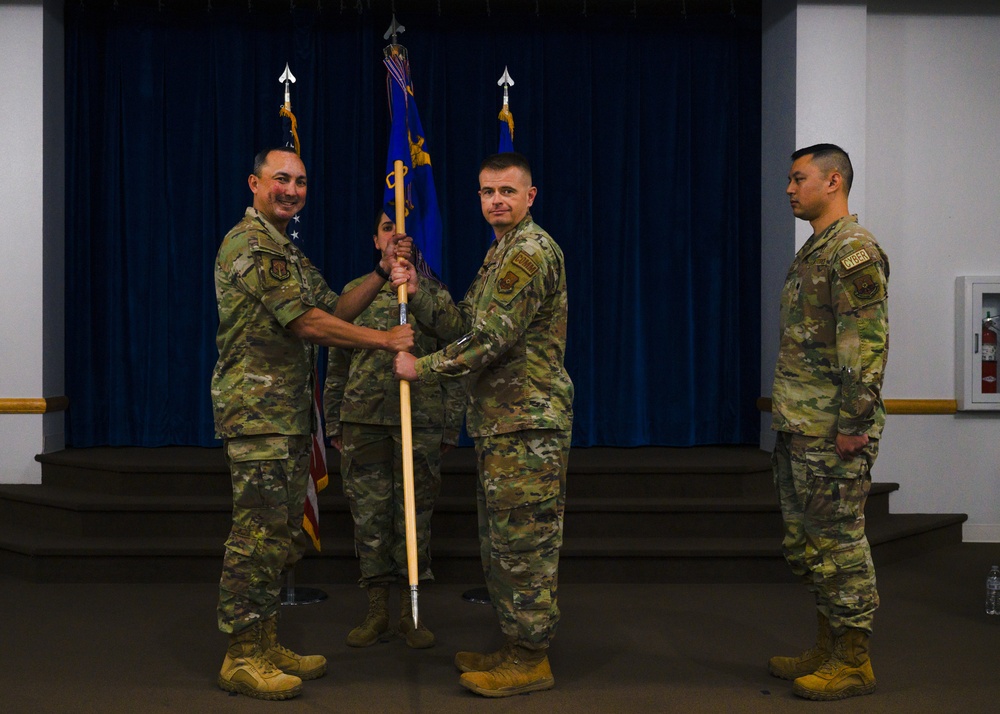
262 389
361 401
828 379
511 327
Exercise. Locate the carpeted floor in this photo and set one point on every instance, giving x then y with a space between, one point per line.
620 648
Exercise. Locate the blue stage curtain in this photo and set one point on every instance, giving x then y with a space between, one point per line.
644 134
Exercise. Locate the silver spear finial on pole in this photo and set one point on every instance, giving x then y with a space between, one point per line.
505 81
288 78
394 29
394 50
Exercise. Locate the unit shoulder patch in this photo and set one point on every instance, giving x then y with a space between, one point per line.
279 269
507 281
865 286
512 278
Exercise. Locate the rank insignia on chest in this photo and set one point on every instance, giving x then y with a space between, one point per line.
865 287
279 269
506 283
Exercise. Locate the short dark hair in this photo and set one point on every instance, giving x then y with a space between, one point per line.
261 158
829 157
506 160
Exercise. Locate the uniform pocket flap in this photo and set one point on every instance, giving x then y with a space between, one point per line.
258 448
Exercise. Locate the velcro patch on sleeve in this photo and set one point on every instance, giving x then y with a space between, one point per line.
855 260
279 269
865 287
525 263
512 277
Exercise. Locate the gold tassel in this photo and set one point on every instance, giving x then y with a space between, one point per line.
286 112
506 116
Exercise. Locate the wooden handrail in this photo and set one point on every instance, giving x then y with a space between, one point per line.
34 406
897 406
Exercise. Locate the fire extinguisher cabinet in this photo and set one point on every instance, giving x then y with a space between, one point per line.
975 296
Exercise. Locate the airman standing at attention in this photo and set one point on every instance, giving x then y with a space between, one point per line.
509 343
828 412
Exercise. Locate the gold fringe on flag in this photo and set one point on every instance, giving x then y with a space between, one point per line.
504 115
286 112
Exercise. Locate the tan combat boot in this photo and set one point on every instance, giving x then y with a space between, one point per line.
483 662
847 672
246 670
810 660
302 666
376 621
522 671
418 637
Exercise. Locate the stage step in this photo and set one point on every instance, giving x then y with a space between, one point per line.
650 514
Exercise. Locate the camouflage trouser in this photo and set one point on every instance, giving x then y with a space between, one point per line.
521 497
823 506
372 468
269 487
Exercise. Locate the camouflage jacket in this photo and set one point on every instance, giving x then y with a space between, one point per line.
834 336
263 380
510 336
360 386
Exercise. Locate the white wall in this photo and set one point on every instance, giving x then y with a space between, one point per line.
913 93
778 94
31 272
830 70
933 160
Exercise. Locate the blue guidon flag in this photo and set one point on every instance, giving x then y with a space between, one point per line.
408 144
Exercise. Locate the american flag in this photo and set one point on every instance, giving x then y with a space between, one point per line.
318 477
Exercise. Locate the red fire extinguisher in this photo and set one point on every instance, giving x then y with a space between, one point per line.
989 357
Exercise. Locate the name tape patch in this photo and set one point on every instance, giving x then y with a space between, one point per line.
856 259
525 263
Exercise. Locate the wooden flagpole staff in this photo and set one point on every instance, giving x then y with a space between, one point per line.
395 50
405 425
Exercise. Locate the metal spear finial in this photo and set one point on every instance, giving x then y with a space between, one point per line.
505 81
288 78
394 29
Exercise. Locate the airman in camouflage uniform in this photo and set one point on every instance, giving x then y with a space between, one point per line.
511 340
829 415
274 307
361 400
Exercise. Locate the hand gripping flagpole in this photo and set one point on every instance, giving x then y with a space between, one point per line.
405 424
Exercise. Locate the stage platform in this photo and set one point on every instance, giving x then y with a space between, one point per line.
633 515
